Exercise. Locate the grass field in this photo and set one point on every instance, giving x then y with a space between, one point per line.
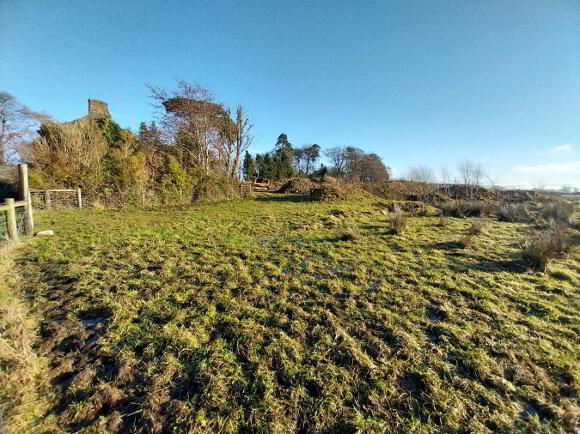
261 316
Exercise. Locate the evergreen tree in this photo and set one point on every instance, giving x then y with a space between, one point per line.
283 158
248 166
268 167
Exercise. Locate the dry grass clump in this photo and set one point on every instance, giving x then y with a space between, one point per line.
348 232
540 247
476 227
466 242
398 221
558 210
21 406
329 192
466 209
443 222
513 213
420 209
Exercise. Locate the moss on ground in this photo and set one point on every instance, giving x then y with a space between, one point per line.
259 316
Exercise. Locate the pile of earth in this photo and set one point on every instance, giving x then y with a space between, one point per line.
442 193
297 186
328 192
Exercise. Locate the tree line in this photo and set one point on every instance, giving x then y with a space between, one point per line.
348 163
196 146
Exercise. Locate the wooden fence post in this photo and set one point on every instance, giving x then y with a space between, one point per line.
47 199
29 218
79 198
11 220
25 195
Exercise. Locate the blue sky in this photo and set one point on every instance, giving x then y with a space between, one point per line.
420 82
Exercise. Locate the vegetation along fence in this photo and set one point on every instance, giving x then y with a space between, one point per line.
16 216
59 198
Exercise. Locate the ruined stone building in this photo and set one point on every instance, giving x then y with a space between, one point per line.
97 110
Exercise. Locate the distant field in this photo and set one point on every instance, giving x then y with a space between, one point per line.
256 316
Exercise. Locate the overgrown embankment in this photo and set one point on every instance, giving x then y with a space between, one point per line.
23 397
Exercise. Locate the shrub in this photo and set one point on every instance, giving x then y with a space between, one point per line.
68 155
540 247
466 209
452 210
512 213
398 222
476 228
558 210
214 187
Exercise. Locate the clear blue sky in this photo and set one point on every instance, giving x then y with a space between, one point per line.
420 82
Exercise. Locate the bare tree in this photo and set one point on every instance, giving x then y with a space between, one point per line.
539 185
422 174
17 124
471 174
352 163
244 138
445 178
423 177
372 169
193 121
337 156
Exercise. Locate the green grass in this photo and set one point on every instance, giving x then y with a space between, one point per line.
261 316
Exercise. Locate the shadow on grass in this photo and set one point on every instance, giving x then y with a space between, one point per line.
447 245
372 227
514 265
280 197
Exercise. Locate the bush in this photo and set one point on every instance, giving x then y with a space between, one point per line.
476 228
513 213
68 155
398 222
215 187
540 247
466 209
558 210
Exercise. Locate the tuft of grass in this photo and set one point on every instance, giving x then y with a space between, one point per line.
466 241
348 232
443 222
513 213
398 222
476 228
541 247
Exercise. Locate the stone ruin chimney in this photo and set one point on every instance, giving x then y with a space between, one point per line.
98 109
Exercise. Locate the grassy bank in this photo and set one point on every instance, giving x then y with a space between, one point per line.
261 316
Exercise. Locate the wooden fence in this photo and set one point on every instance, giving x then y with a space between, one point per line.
16 216
57 198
